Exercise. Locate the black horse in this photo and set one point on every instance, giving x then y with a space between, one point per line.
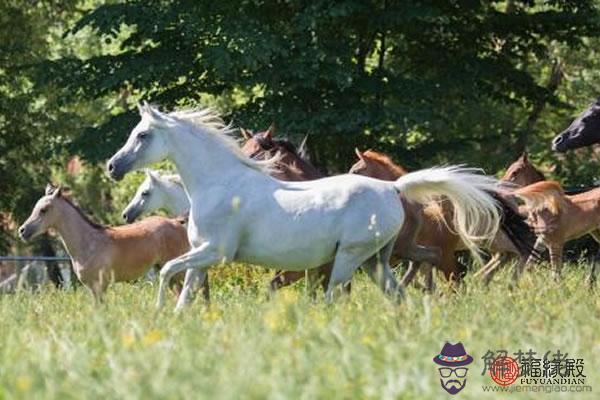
584 130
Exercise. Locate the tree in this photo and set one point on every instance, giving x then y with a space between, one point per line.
427 81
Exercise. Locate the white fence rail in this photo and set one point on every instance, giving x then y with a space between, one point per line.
33 258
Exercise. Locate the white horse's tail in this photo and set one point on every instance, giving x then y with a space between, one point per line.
476 213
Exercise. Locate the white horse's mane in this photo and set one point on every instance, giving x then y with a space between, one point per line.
201 116
209 121
172 178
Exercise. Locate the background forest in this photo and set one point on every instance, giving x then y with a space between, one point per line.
427 82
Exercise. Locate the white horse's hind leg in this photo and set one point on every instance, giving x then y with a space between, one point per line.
378 268
201 257
194 279
346 262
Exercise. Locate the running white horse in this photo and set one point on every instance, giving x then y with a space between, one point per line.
158 191
238 212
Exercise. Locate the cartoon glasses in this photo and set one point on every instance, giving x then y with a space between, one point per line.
459 372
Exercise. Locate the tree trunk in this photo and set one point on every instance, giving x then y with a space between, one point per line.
554 81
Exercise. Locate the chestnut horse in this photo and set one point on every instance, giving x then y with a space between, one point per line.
522 172
558 217
293 165
102 254
514 237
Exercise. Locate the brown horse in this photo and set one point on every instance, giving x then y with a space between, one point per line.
435 232
558 217
522 172
292 167
102 254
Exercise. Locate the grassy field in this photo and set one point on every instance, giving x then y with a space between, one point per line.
56 345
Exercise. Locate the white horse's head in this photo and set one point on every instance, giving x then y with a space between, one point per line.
145 145
148 197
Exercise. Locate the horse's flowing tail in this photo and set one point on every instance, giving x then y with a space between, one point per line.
516 228
476 213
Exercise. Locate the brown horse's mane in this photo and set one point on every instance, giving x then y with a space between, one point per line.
545 194
384 159
87 219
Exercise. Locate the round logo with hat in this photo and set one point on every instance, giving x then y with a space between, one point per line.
452 360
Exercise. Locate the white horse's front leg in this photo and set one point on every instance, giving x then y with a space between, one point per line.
202 257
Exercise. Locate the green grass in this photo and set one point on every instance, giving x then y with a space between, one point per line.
57 345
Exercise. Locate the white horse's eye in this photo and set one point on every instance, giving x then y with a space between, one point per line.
144 135
145 193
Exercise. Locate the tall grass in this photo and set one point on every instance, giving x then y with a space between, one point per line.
57 345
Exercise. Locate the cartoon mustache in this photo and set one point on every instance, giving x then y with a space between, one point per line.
453 383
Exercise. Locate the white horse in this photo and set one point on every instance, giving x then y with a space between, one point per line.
158 191
238 212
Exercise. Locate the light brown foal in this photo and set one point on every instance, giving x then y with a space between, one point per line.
558 217
434 231
102 254
522 172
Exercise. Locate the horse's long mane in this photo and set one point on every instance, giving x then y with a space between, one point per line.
201 116
545 194
385 160
208 121
83 215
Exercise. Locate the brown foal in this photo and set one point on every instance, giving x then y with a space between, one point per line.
522 172
558 217
102 254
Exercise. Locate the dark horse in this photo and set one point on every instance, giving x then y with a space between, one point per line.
584 130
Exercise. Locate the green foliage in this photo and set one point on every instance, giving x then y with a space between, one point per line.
428 82
29 131
350 73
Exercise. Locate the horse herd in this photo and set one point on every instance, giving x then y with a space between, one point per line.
264 204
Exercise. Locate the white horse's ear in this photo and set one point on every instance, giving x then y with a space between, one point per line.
303 149
270 132
57 192
151 174
246 134
359 154
156 115
140 108
50 188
